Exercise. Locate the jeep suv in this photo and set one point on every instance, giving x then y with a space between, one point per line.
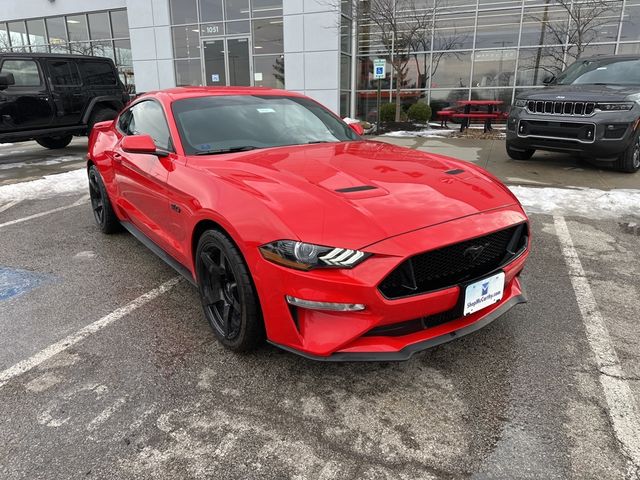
591 109
50 97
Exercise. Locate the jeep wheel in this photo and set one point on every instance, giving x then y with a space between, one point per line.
519 154
629 161
101 115
55 143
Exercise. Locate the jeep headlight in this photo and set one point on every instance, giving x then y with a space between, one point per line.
305 256
614 106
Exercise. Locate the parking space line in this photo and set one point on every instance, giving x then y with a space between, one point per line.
9 205
622 407
43 355
80 201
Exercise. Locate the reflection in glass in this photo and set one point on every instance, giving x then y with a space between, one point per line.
188 72
236 9
99 28
123 52
451 69
268 36
119 24
77 27
211 11
238 56
266 8
186 41
57 30
18 34
214 67
494 68
183 11
268 71
36 30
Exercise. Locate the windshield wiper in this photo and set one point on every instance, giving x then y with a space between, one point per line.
218 151
320 141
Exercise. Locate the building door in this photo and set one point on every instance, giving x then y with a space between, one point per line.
227 62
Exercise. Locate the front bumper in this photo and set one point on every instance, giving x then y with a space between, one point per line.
345 336
604 135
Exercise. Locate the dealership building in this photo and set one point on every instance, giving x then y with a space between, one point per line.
474 49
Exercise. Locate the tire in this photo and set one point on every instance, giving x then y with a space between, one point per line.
519 154
228 296
54 143
629 161
101 115
103 213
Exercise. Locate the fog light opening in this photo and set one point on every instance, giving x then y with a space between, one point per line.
330 306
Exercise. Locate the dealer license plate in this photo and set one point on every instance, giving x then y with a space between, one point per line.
483 293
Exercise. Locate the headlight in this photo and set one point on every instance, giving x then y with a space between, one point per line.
305 256
614 107
520 103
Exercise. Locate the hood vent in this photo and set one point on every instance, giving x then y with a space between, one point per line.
355 189
455 171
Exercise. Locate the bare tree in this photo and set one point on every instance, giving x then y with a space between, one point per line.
580 26
400 26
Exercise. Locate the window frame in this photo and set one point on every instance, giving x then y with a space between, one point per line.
25 59
171 147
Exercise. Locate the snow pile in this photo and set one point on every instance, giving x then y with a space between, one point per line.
583 202
6 144
421 133
47 187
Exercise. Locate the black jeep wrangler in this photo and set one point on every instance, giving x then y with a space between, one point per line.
591 109
51 97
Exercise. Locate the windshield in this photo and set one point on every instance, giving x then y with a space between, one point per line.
219 124
609 71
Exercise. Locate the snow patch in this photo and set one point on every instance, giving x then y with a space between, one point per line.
581 202
6 144
420 133
47 187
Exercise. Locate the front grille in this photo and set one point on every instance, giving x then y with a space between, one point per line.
553 107
455 264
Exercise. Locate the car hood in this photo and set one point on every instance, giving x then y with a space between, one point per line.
582 93
353 194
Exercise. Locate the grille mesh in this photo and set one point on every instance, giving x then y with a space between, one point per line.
454 264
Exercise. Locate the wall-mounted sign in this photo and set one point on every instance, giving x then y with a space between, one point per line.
212 29
215 77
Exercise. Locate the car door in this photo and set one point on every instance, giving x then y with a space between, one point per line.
142 178
26 105
67 92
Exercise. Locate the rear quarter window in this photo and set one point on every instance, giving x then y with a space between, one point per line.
95 73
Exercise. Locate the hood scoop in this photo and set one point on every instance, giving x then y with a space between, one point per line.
360 188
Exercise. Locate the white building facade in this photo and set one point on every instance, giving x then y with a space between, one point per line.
292 44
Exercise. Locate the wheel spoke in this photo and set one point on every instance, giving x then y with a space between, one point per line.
227 313
212 267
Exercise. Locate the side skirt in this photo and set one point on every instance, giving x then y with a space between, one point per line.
151 245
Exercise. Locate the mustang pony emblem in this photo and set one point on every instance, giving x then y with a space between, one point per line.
473 253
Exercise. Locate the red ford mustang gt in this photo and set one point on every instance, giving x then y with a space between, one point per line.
295 228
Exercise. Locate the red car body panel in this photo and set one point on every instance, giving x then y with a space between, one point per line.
290 193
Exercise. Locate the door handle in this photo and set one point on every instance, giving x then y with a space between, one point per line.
117 157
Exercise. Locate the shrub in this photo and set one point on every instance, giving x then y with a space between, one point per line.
419 112
387 112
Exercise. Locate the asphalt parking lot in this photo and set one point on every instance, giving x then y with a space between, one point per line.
109 370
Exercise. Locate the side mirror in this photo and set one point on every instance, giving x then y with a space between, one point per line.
139 144
549 80
6 79
358 128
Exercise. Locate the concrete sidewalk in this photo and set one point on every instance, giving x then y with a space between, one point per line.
544 169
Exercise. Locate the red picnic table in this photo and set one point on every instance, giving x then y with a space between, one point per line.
467 116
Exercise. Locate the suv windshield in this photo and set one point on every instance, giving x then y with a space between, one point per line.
608 71
220 124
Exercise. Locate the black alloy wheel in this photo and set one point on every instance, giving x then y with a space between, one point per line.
227 293
103 212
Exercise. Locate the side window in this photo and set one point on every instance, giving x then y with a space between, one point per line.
124 121
148 118
63 73
25 72
97 73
